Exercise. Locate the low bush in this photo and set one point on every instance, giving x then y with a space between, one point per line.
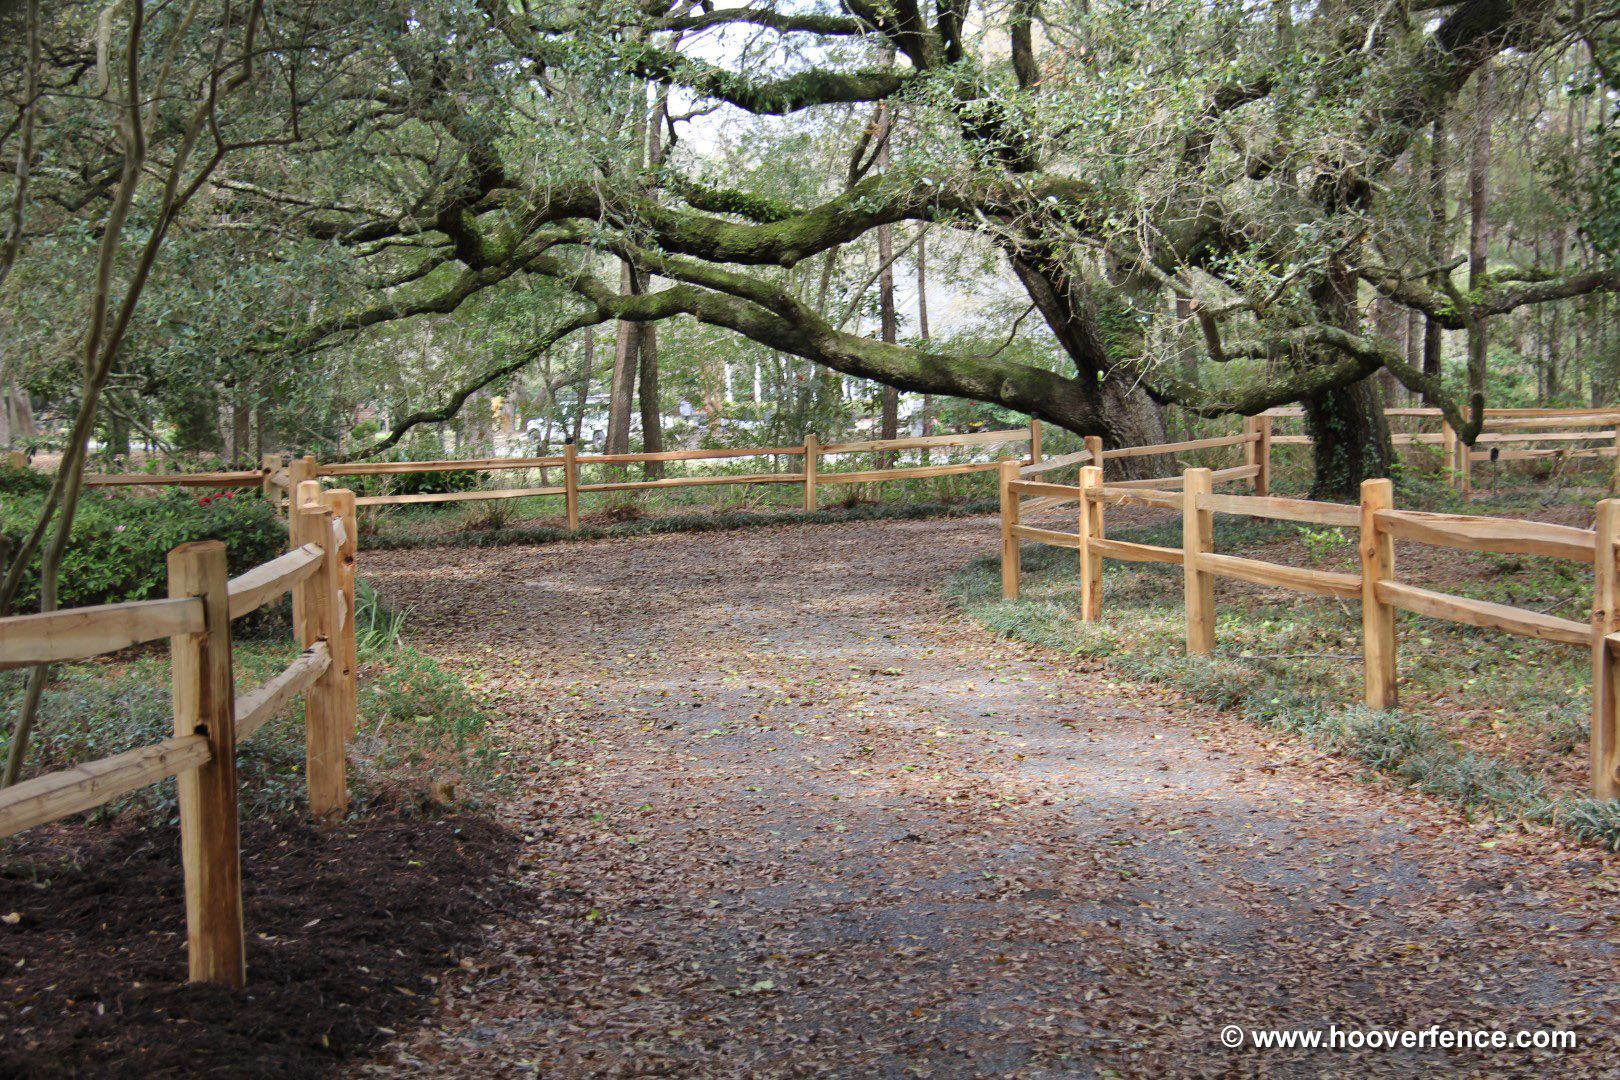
120 543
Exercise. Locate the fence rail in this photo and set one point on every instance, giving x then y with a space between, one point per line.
1502 426
1507 435
210 719
1379 525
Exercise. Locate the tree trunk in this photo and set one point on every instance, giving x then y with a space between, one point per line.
889 425
652 430
588 363
1439 250
241 433
1479 166
922 326
1350 435
621 393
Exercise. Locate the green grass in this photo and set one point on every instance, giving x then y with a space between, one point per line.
417 722
1489 723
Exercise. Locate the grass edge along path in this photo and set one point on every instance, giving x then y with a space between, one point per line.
1395 743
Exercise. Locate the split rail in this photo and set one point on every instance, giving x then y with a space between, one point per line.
1379 525
1506 437
210 718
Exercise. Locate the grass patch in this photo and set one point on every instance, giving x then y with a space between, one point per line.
418 724
1495 725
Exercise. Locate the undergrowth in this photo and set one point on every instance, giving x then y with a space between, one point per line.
502 537
418 724
1491 724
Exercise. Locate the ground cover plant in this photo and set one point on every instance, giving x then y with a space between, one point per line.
1492 723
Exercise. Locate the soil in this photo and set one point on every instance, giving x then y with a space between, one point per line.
349 931
784 813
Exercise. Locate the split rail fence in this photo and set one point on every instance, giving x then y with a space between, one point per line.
210 718
1508 436
1505 437
1377 587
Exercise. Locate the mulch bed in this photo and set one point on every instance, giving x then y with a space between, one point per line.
348 930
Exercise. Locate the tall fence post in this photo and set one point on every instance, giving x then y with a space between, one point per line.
1091 528
1448 452
1605 736
1093 443
1465 468
1198 537
1034 441
812 458
316 601
17 459
205 704
1257 453
270 464
1377 549
571 483
344 650
1009 539
1614 468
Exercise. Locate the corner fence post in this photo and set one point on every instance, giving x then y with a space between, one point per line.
1377 547
571 484
345 656
1198 537
205 704
1091 528
1605 737
1034 441
812 456
1009 539
316 598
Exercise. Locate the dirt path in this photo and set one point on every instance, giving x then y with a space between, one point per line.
786 814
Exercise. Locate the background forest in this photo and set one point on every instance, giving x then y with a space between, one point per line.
236 229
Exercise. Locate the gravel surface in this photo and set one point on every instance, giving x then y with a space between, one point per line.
784 813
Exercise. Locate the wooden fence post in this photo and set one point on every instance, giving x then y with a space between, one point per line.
298 470
1009 541
344 651
1258 452
1465 468
1197 537
1448 452
1605 735
1034 441
1377 618
316 601
270 464
812 459
571 484
205 704
1093 443
1614 469
17 459
1091 528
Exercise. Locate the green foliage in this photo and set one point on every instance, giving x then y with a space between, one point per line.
120 543
24 482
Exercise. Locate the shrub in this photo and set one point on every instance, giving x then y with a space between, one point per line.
120 543
23 481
